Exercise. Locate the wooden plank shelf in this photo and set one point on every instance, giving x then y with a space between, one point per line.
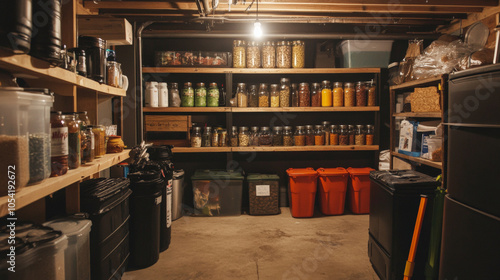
276 149
258 109
417 83
435 164
201 150
46 75
185 109
436 115
34 192
208 70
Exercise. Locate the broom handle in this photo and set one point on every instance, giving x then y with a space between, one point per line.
410 264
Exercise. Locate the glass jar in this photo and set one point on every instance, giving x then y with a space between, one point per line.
275 95
174 98
200 99
215 138
349 95
315 95
277 136
89 150
285 92
283 54
59 144
298 54
206 138
360 136
253 54
352 132
74 141
265 136
151 94
326 94
233 138
287 136
113 73
300 136
254 136
361 95
369 134
304 95
244 137
319 136
344 135
334 134
253 96
263 96
81 62
241 95
100 140
309 135
196 137
338 95
326 131
239 54
223 138
187 98
268 55
213 95
294 96
372 94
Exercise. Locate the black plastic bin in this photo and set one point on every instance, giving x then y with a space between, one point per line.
395 198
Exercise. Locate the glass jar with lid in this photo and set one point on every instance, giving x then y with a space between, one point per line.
360 136
265 138
253 96
287 136
349 95
100 140
253 54
254 136
361 96
319 136
59 145
223 138
326 94
263 96
268 55
334 134
234 136
294 96
304 95
326 130
283 54
277 136
241 95
309 135
213 95
187 98
74 141
206 138
89 151
315 95
215 138
244 137
200 99
275 95
352 132
372 94
299 137
369 134
285 92
239 54
174 100
298 54
344 135
338 95
196 137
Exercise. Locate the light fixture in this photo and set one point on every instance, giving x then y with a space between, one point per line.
257 28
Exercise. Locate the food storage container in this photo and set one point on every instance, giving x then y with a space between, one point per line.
274 95
265 138
294 96
200 98
206 138
319 136
233 137
244 137
298 54
304 95
253 54
254 136
332 188
326 94
268 55
300 136
315 95
326 131
287 136
366 53
263 96
344 135
277 136
372 93
349 95
196 137
283 54
361 94
213 95
338 95
302 191
263 192
310 135
369 134
239 54
285 92
352 133
360 135
187 98
242 95
359 190
253 96
74 141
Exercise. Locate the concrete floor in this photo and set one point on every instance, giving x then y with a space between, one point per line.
264 247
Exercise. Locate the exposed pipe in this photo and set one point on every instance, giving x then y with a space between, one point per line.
138 36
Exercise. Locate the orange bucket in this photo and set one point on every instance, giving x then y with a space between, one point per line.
302 191
359 190
332 189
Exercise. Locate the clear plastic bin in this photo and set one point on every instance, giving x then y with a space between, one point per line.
366 53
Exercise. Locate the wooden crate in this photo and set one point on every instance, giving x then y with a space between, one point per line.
169 126
116 31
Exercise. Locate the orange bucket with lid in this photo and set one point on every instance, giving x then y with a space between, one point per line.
332 188
302 191
359 190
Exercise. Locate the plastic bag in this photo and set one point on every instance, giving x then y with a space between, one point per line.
479 58
406 65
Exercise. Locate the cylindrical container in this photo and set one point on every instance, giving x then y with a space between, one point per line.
162 95
100 139
326 94
372 94
294 96
316 95
239 54
115 144
46 39
352 132
300 136
338 95
268 55
334 134
287 136
242 95
254 136
16 25
253 96
253 54
326 131
263 193
304 95
349 95
174 100
88 151
187 98
244 137
196 137
81 61
223 138
263 96
213 95
95 51
215 138
206 138
74 144
59 145
332 188
265 138
177 194
200 99
344 135
233 137
283 54
302 191
274 95
114 73
285 92
319 136
369 134
298 54
360 136
309 135
361 95
277 136
151 94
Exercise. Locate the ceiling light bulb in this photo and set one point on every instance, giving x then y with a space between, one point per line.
257 29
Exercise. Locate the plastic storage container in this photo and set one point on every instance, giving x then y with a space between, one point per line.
263 191
332 188
217 192
359 190
77 255
302 191
366 53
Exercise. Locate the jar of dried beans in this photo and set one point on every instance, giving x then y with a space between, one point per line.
239 54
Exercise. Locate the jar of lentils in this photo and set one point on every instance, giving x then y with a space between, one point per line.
287 136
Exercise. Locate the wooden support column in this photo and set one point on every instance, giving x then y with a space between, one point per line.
73 198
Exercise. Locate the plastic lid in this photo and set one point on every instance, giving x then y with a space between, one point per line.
360 171
144 176
70 226
262 177
297 172
339 171
178 174
207 174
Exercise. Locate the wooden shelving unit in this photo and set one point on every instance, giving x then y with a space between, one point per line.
423 161
208 70
276 149
437 115
258 109
186 109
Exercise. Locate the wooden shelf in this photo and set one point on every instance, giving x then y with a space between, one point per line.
34 192
275 149
258 109
55 78
435 164
185 109
417 83
436 115
191 70
201 150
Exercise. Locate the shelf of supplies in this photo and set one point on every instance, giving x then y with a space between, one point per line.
276 149
258 109
417 83
208 70
185 109
435 164
436 115
34 192
44 74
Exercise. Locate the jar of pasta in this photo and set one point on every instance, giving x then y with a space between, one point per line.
253 54
298 53
326 94
349 95
315 95
275 95
338 95
239 54
263 96
268 55
283 54
361 95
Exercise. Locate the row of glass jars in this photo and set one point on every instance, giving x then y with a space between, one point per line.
320 95
269 54
200 97
319 135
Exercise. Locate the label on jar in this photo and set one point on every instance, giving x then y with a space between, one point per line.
263 190
59 144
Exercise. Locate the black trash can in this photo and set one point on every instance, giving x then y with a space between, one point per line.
145 204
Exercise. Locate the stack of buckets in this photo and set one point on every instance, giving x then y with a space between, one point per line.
333 184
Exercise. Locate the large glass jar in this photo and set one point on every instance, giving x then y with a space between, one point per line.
59 145
74 141
196 137
372 94
369 134
304 95
344 135
254 136
253 96
326 131
300 136
200 99
287 136
283 54
242 95
268 55
206 138
100 140
298 54
334 134
319 136
315 95
265 136
360 136
285 92
275 95
187 98
215 138
309 135
88 151
338 95
352 132
253 54
213 95
239 54
294 96
174 98
244 137
349 95
263 96
361 95
113 73
326 94
233 138
223 138
277 136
